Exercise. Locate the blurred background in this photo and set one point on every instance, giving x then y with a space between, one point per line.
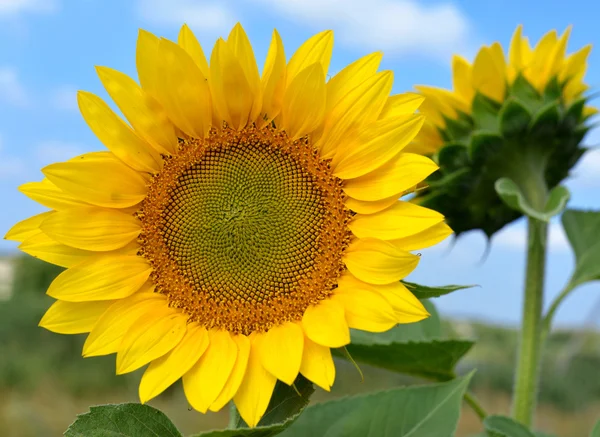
48 49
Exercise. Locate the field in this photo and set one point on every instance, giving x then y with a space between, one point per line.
44 382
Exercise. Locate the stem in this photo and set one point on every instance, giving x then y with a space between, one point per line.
547 321
234 416
475 405
528 360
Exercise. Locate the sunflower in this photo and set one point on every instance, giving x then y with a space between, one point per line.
240 224
521 118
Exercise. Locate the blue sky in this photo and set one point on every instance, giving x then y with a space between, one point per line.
48 49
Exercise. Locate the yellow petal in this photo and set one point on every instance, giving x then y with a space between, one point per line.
164 371
98 179
400 220
588 111
407 308
399 174
427 238
254 394
401 104
515 55
27 228
43 247
378 262
273 80
462 78
112 326
150 337
317 364
73 317
304 102
356 109
49 195
231 92
351 77
377 144
187 40
363 207
241 48
575 63
427 142
325 324
91 228
498 57
182 90
143 112
316 49
206 379
237 374
280 350
101 278
365 309
537 73
117 136
146 60
487 78
445 101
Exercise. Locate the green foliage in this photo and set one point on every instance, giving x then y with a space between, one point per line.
425 292
582 229
286 402
514 118
596 430
502 426
123 420
433 411
512 196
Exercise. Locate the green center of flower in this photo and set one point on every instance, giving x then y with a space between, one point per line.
245 229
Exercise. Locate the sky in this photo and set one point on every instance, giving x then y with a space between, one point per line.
48 50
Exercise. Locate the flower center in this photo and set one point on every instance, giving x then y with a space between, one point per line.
245 229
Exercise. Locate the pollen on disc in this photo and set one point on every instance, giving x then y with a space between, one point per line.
245 229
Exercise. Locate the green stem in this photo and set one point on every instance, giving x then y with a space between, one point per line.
475 405
547 320
234 416
528 359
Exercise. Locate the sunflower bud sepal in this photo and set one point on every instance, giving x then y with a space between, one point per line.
511 195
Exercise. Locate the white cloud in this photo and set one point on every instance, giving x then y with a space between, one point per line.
204 16
16 7
587 172
12 90
65 98
515 237
48 152
401 26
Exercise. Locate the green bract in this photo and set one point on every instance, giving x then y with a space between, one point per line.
532 138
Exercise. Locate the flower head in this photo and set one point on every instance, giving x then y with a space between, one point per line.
240 224
520 116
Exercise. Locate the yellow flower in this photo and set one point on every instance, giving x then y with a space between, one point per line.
493 74
240 224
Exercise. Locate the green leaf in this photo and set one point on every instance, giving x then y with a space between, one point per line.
419 411
435 359
122 420
511 195
425 292
545 122
259 431
573 114
425 330
286 402
596 430
502 426
582 229
514 118
542 434
456 130
485 113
